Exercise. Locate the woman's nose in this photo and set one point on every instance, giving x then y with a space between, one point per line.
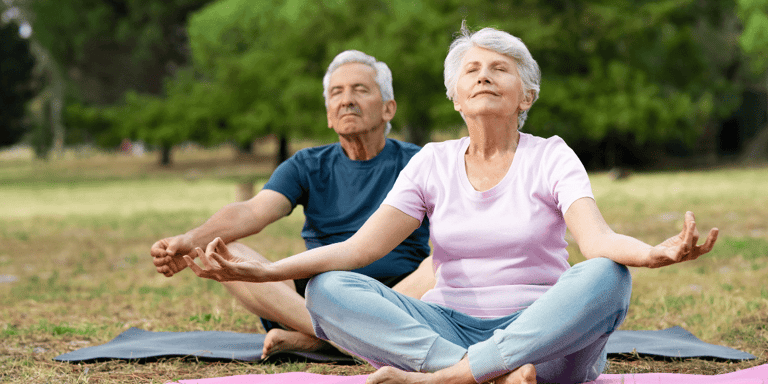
483 77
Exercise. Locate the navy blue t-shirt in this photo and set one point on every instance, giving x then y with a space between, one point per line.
339 194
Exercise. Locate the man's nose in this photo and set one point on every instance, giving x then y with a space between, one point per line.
347 99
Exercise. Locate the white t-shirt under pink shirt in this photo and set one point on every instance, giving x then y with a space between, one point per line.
499 250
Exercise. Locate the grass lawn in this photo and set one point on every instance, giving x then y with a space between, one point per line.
75 269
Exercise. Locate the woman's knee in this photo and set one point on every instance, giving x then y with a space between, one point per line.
328 290
612 280
609 272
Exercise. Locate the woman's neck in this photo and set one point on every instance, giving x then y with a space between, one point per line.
491 137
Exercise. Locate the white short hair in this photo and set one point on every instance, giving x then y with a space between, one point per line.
502 43
383 77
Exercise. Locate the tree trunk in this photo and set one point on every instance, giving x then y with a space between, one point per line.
417 131
165 155
417 135
56 100
246 148
57 107
283 152
757 149
244 191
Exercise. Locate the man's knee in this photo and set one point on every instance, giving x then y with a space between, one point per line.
241 250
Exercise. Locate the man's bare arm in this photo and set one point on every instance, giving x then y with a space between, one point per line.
232 222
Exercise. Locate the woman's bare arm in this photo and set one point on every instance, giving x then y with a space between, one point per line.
380 234
596 239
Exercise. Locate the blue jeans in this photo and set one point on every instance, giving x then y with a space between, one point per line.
563 333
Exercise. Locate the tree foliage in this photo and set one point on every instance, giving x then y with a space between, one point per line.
110 47
640 71
107 49
628 70
754 42
754 39
16 88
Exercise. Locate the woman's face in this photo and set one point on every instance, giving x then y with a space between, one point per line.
489 84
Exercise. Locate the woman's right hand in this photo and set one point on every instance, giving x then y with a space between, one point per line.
221 265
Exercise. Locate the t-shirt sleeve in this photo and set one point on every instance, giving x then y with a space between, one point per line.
568 179
287 180
408 193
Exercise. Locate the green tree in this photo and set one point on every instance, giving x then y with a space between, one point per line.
263 63
614 72
640 72
94 51
16 88
754 42
109 47
412 37
270 58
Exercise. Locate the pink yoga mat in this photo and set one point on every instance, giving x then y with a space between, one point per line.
755 375
280 378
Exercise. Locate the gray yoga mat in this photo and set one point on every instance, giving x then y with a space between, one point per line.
141 345
138 344
670 342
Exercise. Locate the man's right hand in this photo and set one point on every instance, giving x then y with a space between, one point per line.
168 254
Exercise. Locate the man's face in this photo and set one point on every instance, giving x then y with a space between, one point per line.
354 101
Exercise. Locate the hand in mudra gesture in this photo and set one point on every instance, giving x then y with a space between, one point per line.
221 265
167 254
683 246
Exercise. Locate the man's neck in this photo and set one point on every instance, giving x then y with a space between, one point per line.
364 146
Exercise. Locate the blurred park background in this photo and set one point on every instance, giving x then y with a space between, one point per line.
636 84
126 121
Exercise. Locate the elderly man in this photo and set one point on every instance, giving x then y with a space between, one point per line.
340 185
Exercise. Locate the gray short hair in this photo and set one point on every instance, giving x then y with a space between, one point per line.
500 42
383 76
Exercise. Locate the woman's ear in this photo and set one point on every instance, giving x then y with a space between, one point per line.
456 105
527 100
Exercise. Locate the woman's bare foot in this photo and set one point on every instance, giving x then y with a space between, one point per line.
526 374
279 340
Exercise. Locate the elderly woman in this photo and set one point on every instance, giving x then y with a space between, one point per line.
506 306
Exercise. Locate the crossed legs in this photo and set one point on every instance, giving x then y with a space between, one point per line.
279 302
563 333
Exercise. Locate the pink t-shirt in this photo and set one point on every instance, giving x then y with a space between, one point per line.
499 250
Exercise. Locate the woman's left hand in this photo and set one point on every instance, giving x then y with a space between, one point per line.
221 265
682 247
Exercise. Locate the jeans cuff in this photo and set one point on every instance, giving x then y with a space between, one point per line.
441 355
485 361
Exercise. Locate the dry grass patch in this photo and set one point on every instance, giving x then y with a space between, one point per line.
75 269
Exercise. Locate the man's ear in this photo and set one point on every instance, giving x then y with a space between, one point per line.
388 110
328 116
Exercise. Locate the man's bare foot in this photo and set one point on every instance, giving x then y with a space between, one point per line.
279 340
526 374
